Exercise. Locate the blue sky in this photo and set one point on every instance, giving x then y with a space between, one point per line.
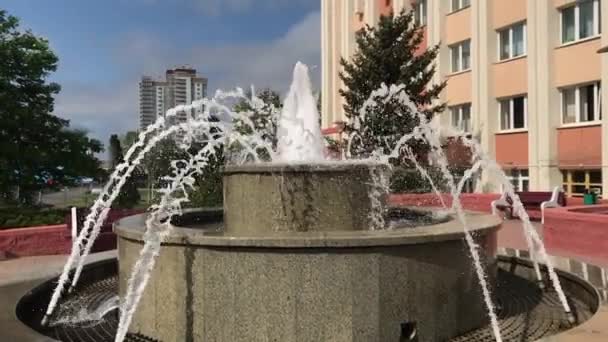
105 46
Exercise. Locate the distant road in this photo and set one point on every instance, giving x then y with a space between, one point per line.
60 198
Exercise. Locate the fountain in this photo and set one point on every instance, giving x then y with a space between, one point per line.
295 258
304 249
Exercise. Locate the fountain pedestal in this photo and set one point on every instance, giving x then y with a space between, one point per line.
277 274
263 199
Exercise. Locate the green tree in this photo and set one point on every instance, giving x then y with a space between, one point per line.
389 53
115 151
129 194
157 164
264 117
35 146
209 186
127 140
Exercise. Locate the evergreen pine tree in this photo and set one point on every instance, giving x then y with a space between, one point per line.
389 54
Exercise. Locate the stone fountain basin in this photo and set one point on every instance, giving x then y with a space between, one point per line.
357 285
205 227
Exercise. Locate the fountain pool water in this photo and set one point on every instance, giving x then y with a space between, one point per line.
305 249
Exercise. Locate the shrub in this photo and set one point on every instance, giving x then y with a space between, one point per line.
411 181
18 217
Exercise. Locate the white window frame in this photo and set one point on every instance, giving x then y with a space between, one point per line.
420 8
511 45
511 114
460 110
577 19
458 46
597 98
460 5
519 178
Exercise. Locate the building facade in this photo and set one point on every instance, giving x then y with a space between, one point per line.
524 77
180 86
151 103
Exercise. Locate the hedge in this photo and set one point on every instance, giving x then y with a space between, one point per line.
29 217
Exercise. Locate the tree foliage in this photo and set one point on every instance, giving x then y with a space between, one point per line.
209 186
388 54
128 139
263 111
115 151
35 146
129 194
264 119
157 164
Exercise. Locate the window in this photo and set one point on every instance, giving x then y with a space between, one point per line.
470 184
580 21
581 104
460 4
360 16
512 41
513 113
461 117
420 12
577 182
461 56
520 179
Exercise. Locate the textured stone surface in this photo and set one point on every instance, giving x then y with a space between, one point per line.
365 293
321 197
516 326
295 260
209 232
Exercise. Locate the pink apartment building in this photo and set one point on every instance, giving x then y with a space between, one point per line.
523 76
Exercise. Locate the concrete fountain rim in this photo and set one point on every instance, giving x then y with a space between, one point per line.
319 166
132 228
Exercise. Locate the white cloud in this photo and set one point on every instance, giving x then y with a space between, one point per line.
266 63
98 109
263 64
114 108
215 7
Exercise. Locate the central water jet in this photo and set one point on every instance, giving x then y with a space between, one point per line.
299 132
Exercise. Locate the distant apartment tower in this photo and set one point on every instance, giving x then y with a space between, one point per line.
150 101
181 86
184 87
